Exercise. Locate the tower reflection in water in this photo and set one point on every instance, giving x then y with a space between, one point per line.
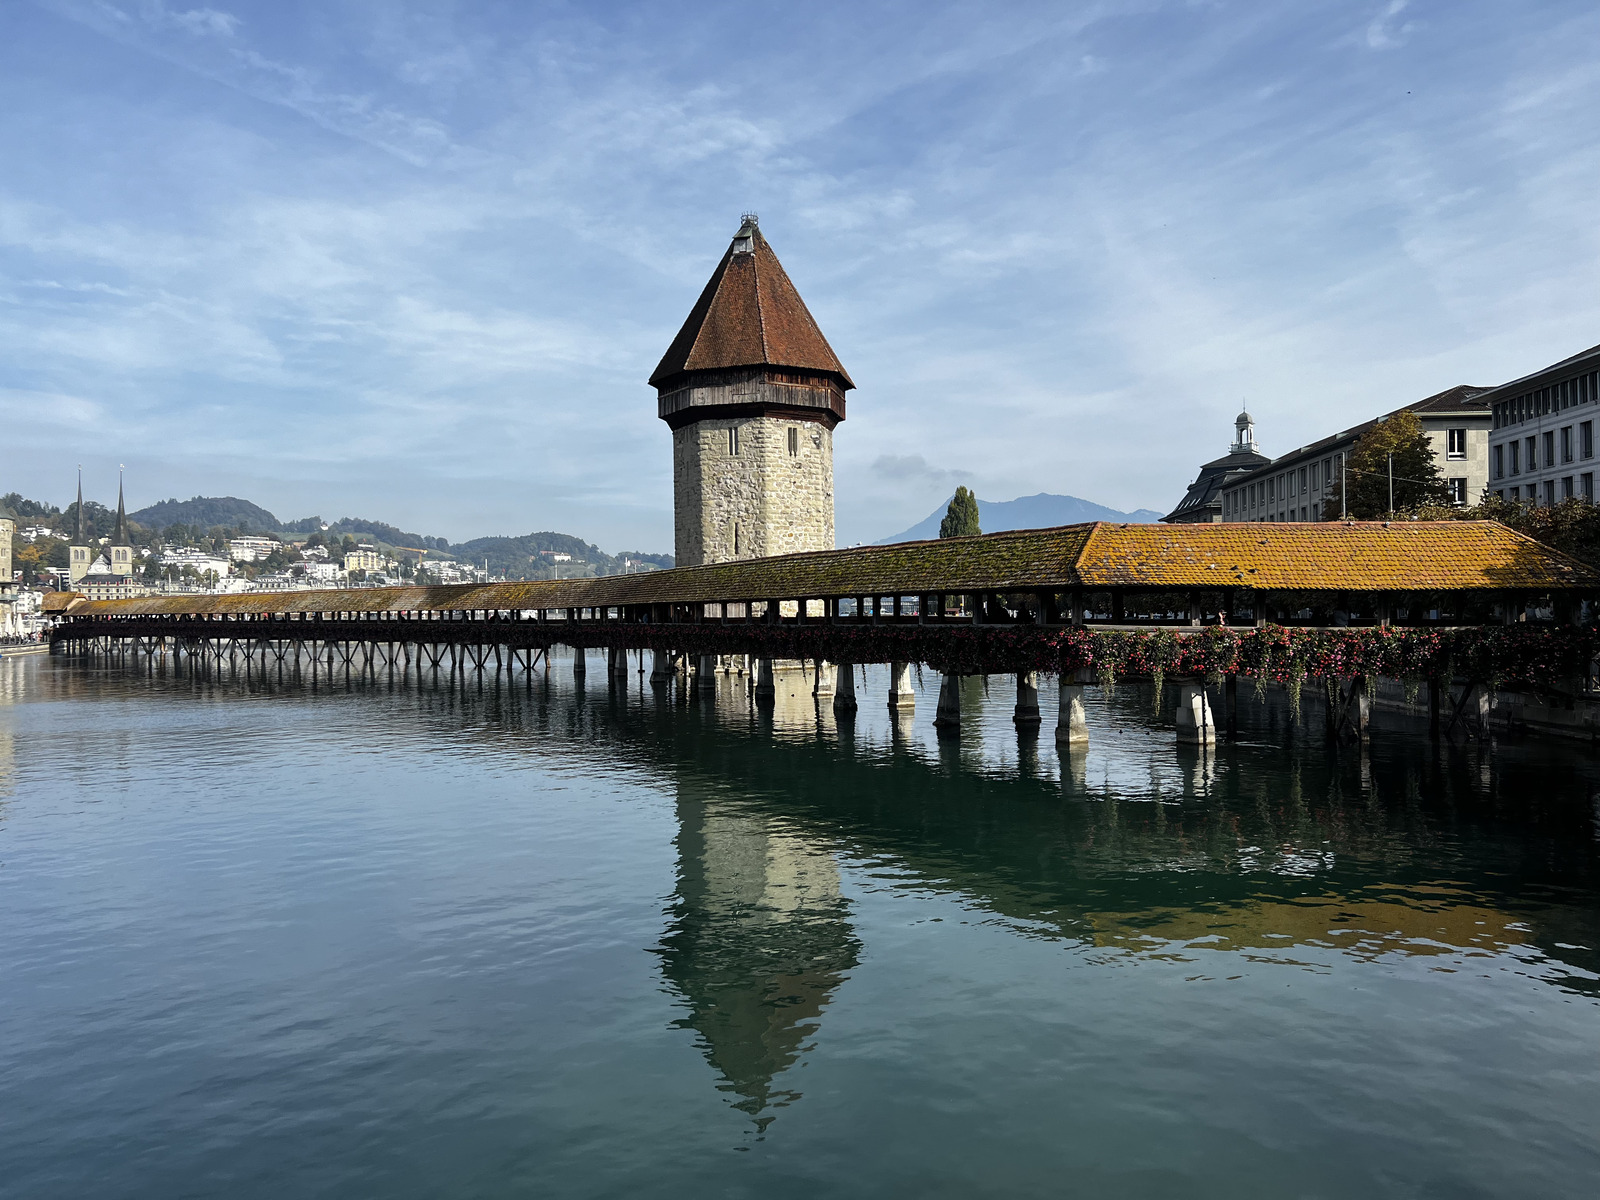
759 942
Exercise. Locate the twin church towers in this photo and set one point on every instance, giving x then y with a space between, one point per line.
752 392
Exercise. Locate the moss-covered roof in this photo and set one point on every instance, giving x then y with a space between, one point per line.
1355 557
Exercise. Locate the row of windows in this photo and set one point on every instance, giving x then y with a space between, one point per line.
1523 454
794 441
1541 402
1242 502
1553 490
1458 496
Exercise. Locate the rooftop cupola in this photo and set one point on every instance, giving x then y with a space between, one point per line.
1244 427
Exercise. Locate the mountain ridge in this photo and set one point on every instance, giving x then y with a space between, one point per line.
1043 510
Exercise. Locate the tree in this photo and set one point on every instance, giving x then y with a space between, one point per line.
1417 483
961 518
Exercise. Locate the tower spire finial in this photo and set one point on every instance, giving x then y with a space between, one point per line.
77 537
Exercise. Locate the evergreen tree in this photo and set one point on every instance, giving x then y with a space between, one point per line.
961 518
1417 483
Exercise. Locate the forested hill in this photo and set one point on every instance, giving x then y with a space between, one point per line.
203 512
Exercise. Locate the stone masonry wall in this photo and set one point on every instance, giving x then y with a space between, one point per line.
763 498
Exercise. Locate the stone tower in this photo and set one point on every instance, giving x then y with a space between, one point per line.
752 392
79 559
121 550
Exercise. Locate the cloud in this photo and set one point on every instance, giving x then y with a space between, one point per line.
1385 32
915 470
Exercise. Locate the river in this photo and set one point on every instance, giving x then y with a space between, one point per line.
525 938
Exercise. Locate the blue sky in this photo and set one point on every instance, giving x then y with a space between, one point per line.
415 262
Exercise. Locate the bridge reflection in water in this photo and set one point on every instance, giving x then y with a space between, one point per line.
1270 849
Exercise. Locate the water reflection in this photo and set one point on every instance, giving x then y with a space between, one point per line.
760 939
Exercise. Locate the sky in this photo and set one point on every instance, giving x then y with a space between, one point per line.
415 262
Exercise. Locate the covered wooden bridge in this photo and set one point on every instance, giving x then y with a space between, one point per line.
1078 600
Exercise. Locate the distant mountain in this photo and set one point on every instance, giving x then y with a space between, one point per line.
1026 512
205 511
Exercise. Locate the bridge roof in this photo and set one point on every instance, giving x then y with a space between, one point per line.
1421 556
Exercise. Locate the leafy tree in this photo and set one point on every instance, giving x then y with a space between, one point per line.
1417 483
961 518
1572 526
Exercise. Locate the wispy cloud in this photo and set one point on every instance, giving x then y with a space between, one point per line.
424 256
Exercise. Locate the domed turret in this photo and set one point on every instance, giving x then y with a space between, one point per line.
1244 427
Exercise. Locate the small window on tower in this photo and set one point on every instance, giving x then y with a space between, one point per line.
794 442
733 440
736 538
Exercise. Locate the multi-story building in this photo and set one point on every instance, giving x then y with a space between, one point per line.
1202 503
1541 447
364 558
203 564
252 549
1296 485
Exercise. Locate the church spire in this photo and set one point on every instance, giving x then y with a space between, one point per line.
121 538
77 536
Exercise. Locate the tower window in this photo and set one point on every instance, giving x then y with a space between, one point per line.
736 537
794 442
733 439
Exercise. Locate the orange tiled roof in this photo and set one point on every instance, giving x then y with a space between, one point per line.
1319 556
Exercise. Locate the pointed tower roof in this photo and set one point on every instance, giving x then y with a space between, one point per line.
749 315
77 535
121 537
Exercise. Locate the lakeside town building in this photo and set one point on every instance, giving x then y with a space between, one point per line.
1202 503
1296 486
1541 447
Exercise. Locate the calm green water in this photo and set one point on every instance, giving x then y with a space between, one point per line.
271 940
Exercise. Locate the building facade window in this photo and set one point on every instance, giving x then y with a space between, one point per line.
1586 439
1531 446
733 441
794 442
1549 493
1566 443
1566 487
1516 457
1458 491
1499 459
1549 450
1455 443
1586 483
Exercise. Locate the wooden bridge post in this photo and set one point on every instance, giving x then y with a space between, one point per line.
580 662
947 718
844 688
1195 723
901 697
617 663
1230 698
1027 709
661 668
1072 728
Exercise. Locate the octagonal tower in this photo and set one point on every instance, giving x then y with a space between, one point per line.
752 392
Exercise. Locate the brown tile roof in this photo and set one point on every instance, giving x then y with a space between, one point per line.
749 315
1317 556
